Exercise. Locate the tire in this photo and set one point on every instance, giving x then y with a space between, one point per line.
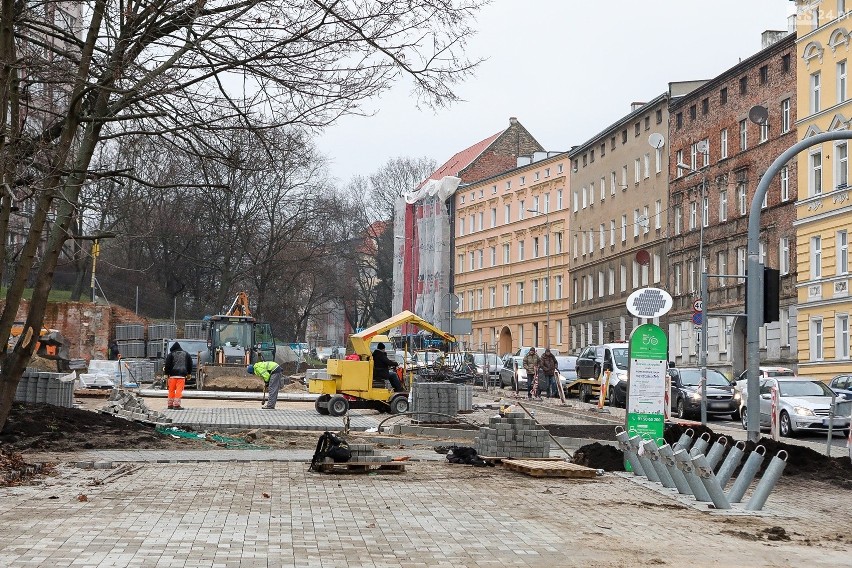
611 398
597 373
785 426
399 405
681 408
337 405
735 415
324 408
744 417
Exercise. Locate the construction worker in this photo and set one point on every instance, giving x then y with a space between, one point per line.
382 366
178 367
271 373
531 364
548 370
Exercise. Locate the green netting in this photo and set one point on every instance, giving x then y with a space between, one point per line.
230 443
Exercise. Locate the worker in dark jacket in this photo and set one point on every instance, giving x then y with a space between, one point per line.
548 370
178 367
272 374
382 366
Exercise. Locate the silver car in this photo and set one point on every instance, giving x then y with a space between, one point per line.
805 405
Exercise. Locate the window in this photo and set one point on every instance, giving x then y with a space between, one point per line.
815 93
461 227
612 183
635 222
723 144
536 251
816 257
546 201
585 193
841 339
647 166
611 282
575 245
558 286
841 7
470 225
623 178
576 199
558 199
841 81
522 210
658 214
785 183
693 156
520 293
492 297
741 261
601 284
602 236
679 160
692 113
743 135
678 219
637 170
461 263
841 245
679 120
492 253
693 216
658 160
480 221
603 149
635 275
623 275
723 205
784 255
705 106
816 339
547 170
785 63
479 299
612 232
472 258
480 254
507 212
536 176
678 277
509 184
559 332
815 177
722 265
764 133
535 297
520 250
841 161
742 197
591 241
659 116
535 204
657 268
646 222
763 74
647 123
603 189
705 211
785 116
507 254
723 95
624 136
505 295
624 228
576 293
744 85
493 217
637 129
522 181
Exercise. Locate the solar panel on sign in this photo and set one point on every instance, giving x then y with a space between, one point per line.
649 303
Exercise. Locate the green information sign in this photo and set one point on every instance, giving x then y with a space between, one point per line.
646 398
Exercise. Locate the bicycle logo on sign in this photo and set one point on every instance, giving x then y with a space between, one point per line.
649 340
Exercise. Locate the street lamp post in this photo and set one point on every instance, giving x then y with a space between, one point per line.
547 254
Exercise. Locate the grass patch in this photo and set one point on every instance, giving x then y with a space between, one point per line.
54 296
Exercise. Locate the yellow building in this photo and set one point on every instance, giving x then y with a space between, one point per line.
824 209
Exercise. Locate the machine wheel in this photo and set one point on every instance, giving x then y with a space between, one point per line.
681 408
337 405
744 417
585 393
322 408
735 415
399 404
785 426
611 398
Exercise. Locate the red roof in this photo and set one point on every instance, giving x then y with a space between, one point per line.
462 159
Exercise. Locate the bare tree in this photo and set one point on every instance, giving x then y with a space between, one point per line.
173 69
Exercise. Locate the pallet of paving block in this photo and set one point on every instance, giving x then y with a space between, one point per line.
362 467
500 459
550 468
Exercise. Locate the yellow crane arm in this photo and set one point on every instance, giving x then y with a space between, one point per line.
240 307
361 340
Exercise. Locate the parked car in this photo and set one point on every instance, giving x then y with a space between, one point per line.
333 352
722 396
764 373
842 384
596 359
805 405
567 365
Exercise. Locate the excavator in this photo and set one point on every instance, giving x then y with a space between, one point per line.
51 345
234 339
349 382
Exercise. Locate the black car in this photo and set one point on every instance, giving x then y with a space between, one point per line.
722 397
842 385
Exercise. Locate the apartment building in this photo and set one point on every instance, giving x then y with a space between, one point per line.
725 154
824 209
618 219
510 271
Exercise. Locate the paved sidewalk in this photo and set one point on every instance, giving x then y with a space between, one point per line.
278 419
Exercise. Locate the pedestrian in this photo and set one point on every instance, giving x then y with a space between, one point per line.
113 354
272 374
548 370
531 365
382 366
177 368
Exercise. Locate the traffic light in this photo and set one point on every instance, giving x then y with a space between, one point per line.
771 294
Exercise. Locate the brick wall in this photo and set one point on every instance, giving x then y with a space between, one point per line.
502 155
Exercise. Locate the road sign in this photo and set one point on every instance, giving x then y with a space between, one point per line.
696 317
697 306
646 398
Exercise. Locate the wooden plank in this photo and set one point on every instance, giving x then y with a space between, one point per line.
544 468
362 467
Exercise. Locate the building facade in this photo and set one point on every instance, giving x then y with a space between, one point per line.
725 154
824 208
618 220
511 256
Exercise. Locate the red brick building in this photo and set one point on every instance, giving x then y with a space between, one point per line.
726 153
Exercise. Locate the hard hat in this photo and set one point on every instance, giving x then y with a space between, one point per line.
250 369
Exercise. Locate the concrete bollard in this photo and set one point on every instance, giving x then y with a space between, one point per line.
700 445
730 464
716 452
647 466
767 482
705 472
667 455
624 444
684 441
743 480
684 463
650 447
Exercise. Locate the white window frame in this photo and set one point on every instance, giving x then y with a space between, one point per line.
521 250
816 257
520 293
657 268
743 135
817 343
612 232
658 160
723 144
785 116
602 236
611 283
841 74
637 171
784 255
623 277
742 198
841 247
723 205
678 219
624 228
693 215
785 183
841 165
507 213
558 287
815 180
635 223
815 86
841 336
507 253
507 291
647 165
705 211
678 277
722 266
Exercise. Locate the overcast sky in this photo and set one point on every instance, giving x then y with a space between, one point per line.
565 68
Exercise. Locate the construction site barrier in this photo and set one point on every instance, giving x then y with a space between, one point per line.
684 441
767 482
744 479
653 455
705 472
667 455
717 450
647 466
624 445
700 445
684 463
730 464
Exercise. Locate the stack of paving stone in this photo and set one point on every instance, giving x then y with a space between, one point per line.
513 435
465 398
440 399
130 406
43 387
365 453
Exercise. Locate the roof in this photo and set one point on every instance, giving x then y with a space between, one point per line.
461 160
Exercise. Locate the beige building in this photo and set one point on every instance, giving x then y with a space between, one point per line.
511 255
618 219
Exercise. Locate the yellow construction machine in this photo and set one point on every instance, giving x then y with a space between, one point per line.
349 383
51 344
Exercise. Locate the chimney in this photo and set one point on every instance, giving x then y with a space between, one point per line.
634 106
771 37
513 120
